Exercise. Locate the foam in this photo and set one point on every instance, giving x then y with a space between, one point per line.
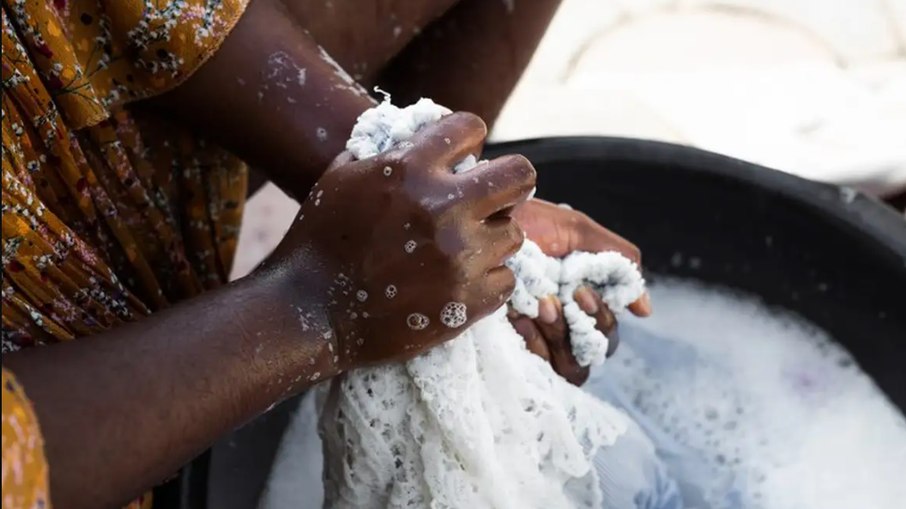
417 321
453 315
782 414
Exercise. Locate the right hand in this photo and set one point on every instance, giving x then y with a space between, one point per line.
409 253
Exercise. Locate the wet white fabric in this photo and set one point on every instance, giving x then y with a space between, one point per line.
478 422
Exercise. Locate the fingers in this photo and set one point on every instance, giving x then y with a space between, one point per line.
594 237
499 283
500 240
498 185
343 159
552 326
641 307
590 302
534 340
448 141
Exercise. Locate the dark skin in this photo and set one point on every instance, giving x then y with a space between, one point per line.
418 228
162 389
165 388
493 44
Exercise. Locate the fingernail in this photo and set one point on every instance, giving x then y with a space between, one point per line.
586 299
547 310
645 304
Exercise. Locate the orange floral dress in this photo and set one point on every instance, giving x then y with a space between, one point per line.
108 212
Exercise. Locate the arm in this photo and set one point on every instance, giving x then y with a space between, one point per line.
472 57
272 96
122 410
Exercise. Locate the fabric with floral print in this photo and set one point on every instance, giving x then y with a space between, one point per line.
24 476
109 213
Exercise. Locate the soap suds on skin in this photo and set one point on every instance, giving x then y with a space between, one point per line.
348 83
417 321
453 315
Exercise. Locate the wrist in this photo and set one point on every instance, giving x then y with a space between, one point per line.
299 287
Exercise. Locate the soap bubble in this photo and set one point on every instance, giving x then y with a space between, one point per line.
453 315
417 321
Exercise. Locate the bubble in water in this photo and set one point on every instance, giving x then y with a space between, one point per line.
417 321
453 315
390 291
322 134
409 246
387 171
361 295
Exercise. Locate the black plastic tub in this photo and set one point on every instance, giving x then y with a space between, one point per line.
834 256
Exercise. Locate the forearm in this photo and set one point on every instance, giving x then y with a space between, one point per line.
472 57
272 96
123 410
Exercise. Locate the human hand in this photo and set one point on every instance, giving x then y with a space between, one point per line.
559 231
408 253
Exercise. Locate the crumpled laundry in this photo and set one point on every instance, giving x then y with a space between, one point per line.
478 422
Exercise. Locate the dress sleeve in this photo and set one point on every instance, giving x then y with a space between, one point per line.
96 56
24 464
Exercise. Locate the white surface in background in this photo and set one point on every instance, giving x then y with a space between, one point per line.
812 87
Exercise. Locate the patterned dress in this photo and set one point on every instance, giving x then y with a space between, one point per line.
109 213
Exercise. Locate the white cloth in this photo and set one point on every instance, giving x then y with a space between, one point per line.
478 422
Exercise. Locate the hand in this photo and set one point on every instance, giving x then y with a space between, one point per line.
560 231
409 253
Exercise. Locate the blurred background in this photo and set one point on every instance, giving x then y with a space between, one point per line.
816 88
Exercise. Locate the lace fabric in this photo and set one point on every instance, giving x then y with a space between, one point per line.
478 422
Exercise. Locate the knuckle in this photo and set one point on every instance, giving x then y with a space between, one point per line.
514 236
519 168
470 122
635 254
508 282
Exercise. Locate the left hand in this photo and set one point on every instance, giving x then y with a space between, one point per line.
559 231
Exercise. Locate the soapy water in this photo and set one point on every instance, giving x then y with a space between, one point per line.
769 409
754 404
